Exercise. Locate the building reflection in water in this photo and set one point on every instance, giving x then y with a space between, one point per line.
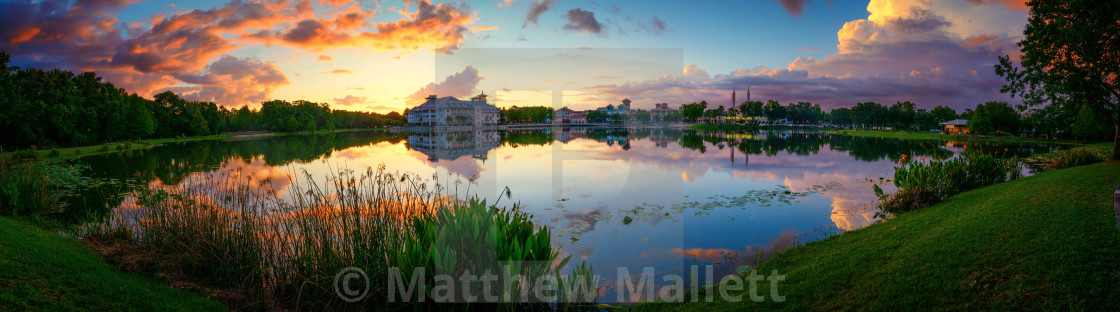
452 145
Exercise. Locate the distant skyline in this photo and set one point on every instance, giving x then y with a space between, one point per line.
381 55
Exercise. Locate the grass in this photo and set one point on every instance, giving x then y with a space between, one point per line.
43 271
908 135
1045 242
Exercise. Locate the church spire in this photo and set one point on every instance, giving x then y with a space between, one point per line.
733 96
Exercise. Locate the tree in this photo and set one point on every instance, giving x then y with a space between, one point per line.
751 109
994 117
674 116
1088 125
138 121
597 116
642 115
841 116
693 111
774 111
1071 57
943 114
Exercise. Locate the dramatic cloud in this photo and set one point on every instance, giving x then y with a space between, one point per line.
904 51
537 8
232 80
583 21
440 27
175 51
795 7
460 84
324 58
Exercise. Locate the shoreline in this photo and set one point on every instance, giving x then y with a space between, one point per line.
124 146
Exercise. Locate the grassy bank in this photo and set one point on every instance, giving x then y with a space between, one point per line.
1046 242
116 147
40 270
948 137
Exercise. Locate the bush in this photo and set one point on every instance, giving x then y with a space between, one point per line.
53 153
923 184
37 188
1079 156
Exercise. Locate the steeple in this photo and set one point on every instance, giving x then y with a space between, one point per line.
732 96
748 93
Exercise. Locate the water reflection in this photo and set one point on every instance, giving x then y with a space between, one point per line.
615 197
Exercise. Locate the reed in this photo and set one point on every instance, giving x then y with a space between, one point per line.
36 188
921 184
232 231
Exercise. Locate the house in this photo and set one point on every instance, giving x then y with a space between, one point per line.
449 111
955 126
564 115
660 110
579 120
611 110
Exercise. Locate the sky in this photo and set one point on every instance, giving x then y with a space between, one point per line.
388 55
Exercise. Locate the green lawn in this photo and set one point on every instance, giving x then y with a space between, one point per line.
1045 242
40 270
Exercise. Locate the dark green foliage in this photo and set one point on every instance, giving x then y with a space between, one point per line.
693 111
994 118
1070 59
1074 157
59 108
597 116
1089 125
528 114
922 184
36 188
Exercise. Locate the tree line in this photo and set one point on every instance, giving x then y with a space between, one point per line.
57 108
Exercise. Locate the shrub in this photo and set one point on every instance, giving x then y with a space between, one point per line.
37 188
1074 157
923 184
53 153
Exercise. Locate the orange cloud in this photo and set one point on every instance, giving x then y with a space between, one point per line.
439 27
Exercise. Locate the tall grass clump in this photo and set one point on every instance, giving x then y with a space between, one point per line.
1078 156
921 184
37 188
265 244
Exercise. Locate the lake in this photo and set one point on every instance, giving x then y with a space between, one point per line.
661 198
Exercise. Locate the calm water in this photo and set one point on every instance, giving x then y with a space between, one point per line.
656 198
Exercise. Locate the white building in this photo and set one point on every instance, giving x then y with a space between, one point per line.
449 111
564 115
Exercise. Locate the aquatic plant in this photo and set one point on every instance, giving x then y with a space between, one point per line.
238 236
921 184
37 188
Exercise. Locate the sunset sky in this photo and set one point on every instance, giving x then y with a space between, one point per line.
387 55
